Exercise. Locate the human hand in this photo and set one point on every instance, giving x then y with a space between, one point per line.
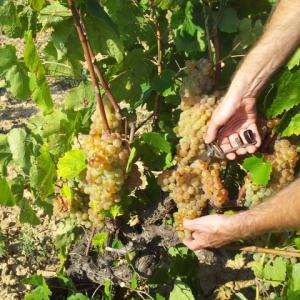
232 117
212 231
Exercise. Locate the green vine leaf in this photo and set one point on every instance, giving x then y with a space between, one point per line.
80 97
17 143
6 196
27 214
260 170
290 123
275 271
154 150
78 296
229 20
38 83
41 292
53 14
71 164
295 60
287 95
181 291
5 154
14 72
99 240
43 174
37 4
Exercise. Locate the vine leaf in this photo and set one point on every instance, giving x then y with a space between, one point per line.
295 278
5 154
78 296
6 196
260 170
290 123
287 95
181 291
17 143
41 292
295 60
53 14
275 271
154 150
27 214
37 4
14 72
80 96
38 83
71 164
99 240
229 21
43 173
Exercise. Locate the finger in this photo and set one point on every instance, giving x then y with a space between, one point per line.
191 224
235 141
192 244
226 146
251 148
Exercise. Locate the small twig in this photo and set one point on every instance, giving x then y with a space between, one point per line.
131 133
208 39
128 248
216 42
143 122
86 50
88 246
255 249
159 71
241 194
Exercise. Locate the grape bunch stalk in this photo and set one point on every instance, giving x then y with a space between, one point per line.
194 184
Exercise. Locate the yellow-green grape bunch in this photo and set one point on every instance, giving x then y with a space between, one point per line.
254 193
283 161
75 208
199 78
192 187
107 156
192 125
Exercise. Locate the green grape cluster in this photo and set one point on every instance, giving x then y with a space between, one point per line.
192 187
194 184
107 156
75 207
199 79
283 161
192 125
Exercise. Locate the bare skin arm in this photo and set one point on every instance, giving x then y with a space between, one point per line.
280 212
236 112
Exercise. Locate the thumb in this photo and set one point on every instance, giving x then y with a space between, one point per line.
191 224
212 132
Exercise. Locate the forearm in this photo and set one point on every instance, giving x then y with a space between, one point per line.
280 212
280 39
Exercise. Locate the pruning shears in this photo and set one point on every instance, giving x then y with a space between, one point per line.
215 151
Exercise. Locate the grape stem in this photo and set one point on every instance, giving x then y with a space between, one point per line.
144 122
86 50
255 249
89 243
